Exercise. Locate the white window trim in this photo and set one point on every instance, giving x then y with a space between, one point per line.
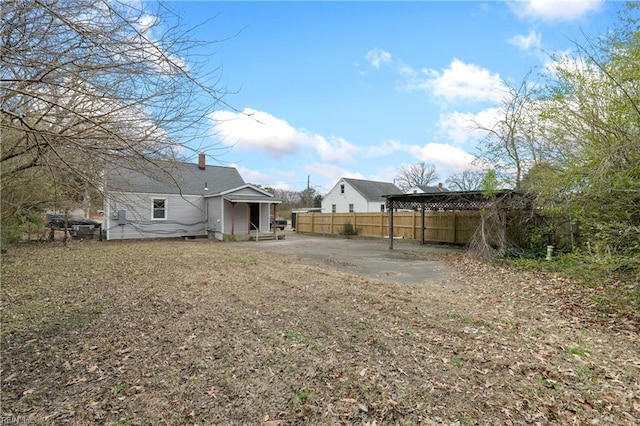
166 208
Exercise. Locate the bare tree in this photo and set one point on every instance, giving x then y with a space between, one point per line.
468 180
91 83
511 142
416 174
289 198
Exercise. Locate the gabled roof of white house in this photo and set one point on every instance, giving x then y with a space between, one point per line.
431 189
372 190
173 177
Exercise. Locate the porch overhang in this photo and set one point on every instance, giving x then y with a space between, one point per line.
256 199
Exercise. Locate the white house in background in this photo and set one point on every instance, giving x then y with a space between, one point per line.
424 189
176 199
357 195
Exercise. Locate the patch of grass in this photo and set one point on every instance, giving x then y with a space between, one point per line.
302 396
50 320
549 383
461 318
250 260
120 387
584 371
458 362
577 351
293 336
367 297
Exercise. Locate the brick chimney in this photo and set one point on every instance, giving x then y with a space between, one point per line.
201 162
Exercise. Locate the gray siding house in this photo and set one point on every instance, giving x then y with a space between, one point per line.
176 199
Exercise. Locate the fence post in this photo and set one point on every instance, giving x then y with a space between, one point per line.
455 227
413 225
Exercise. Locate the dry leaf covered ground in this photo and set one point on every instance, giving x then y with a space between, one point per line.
196 332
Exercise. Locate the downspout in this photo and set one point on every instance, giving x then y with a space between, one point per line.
206 217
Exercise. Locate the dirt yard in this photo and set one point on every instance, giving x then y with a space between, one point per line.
200 332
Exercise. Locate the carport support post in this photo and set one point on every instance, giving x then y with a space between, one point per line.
422 223
390 225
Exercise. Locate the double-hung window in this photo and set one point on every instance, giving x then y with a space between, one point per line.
159 209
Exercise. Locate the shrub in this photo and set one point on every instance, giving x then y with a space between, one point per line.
348 229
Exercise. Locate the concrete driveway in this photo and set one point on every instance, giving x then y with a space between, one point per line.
408 262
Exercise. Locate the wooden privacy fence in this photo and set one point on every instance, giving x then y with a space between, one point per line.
455 227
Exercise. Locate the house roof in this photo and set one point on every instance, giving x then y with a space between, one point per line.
173 177
372 190
431 189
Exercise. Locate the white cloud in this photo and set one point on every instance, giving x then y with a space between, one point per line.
551 10
460 81
261 131
146 23
533 40
384 149
335 150
444 156
377 57
257 130
251 175
461 127
457 126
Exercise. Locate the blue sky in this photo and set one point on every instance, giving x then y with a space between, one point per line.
324 90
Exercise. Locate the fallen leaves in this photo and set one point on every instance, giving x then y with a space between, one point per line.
174 341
